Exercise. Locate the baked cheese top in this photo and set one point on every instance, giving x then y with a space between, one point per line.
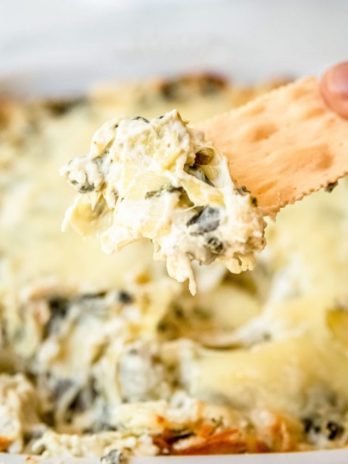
110 342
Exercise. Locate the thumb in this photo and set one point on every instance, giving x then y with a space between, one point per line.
334 88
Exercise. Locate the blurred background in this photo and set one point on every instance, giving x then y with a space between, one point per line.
62 47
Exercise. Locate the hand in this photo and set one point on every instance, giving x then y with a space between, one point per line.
334 88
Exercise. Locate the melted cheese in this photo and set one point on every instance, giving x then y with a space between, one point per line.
308 256
280 348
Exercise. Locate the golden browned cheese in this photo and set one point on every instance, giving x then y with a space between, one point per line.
255 363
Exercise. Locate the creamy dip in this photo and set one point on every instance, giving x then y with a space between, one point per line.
160 179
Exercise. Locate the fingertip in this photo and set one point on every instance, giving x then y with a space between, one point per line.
334 88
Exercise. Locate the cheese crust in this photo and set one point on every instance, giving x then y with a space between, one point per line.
109 357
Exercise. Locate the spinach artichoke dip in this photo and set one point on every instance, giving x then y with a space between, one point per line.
106 356
159 179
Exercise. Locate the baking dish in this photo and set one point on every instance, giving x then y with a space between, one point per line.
309 457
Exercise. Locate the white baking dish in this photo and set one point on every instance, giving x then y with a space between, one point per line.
64 46
309 457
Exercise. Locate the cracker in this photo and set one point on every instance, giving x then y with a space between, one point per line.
283 145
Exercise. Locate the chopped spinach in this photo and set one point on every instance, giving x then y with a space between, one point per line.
140 118
316 425
206 220
164 189
334 430
84 398
114 457
215 245
125 297
61 387
92 295
86 187
59 308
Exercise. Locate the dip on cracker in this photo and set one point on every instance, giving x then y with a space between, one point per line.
173 184
163 181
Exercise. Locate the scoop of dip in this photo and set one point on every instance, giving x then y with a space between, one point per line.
161 180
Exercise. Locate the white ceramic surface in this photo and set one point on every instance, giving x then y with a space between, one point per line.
64 46
317 457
